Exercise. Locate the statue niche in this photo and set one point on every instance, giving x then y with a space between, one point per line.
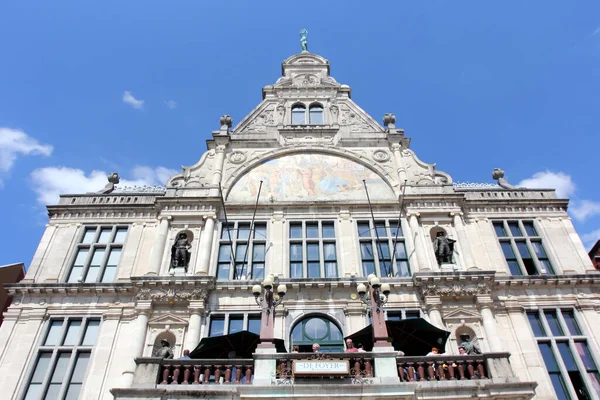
180 252
443 247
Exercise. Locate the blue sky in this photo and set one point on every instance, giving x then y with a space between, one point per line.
138 86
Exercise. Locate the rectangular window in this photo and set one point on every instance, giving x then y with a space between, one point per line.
397 315
377 248
226 324
247 245
522 248
98 254
62 360
313 251
564 349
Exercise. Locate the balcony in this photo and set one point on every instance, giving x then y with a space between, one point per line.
364 375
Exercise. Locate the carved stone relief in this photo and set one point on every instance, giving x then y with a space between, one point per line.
259 124
381 155
237 157
171 294
351 119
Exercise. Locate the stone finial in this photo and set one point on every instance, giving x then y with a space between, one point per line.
389 120
498 174
113 179
226 122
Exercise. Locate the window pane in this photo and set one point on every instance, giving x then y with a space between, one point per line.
260 231
552 320
80 368
565 352
72 333
53 391
258 270
538 249
41 368
258 251
401 251
227 230
368 268
366 251
225 252
298 115
547 266
394 227
548 357
223 270
380 229
559 386
236 324
312 251
536 324
315 328
329 251
216 327
77 269
529 228
296 252
53 333
507 250
88 236
33 393
240 252
364 230
396 316
120 235
296 270
241 270
316 115
571 322
584 354
499 228
104 235
314 269
295 231
595 378
384 250
94 269
523 250
331 269
91 333
61 368
403 268
110 270
328 230
514 229
513 266
412 314
312 230
254 325
243 231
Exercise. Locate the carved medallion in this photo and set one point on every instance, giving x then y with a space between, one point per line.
237 157
381 155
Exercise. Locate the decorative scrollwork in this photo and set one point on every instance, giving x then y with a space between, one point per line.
171 294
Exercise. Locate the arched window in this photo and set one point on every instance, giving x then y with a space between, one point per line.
316 114
317 330
299 114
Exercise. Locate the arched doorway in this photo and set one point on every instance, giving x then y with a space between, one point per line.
317 329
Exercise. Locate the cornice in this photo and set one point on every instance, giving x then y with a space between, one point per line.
547 280
451 284
174 290
69 289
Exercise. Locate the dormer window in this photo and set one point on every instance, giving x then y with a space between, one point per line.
299 114
316 114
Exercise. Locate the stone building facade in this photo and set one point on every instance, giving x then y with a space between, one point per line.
102 290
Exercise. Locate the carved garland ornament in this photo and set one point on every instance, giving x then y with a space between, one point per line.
171 294
455 289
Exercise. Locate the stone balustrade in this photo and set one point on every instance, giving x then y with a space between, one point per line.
454 367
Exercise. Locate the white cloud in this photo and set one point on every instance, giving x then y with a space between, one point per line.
564 185
132 101
584 209
590 239
50 182
171 104
14 142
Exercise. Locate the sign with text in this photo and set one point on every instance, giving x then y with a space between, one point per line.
321 367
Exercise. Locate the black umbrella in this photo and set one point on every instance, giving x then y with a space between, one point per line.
236 345
415 337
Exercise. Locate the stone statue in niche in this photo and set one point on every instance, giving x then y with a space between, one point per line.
165 351
180 254
281 112
469 345
444 248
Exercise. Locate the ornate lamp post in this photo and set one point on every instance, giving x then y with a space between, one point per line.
267 301
375 295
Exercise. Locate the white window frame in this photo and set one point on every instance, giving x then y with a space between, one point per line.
525 237
320 240
92 247
59 348
226 317
235 241
372 239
